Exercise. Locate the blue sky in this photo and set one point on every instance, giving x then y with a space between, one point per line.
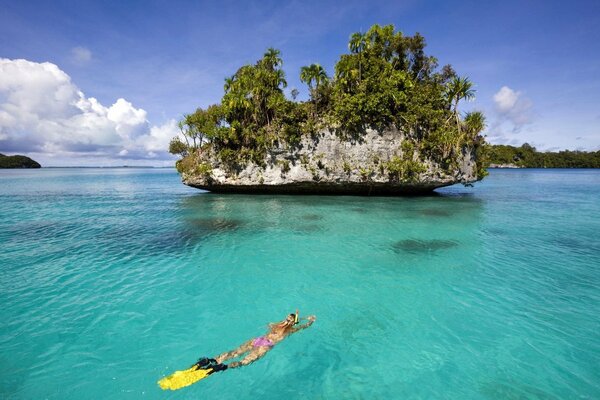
535 65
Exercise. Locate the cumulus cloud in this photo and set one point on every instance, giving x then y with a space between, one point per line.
81 55
42 111
512 113
513 107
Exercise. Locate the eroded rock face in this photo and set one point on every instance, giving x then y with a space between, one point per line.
326 164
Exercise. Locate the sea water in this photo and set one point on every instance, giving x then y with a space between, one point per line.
113 278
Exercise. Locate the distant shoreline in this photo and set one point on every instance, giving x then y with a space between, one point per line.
18 161
526 156
512 166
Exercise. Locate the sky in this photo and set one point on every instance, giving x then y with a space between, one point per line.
103 83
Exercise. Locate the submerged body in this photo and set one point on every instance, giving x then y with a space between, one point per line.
257 347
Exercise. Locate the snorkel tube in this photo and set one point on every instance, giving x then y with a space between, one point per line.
296 319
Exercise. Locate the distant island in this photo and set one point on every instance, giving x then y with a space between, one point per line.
386 122
526 156
17 161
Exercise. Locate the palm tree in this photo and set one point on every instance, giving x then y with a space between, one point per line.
313 73
228 84
319 75
272 58
356 45
279 78
474 123
357 42
306 76
458 89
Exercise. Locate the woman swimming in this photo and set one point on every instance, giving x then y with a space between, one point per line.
254 349
258 347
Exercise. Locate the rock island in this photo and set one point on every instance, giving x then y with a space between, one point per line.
386 122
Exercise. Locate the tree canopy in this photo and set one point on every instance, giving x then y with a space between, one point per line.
528 157
17 161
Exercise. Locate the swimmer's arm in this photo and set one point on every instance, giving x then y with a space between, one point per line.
311 320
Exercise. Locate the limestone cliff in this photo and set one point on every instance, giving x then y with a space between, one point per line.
380 163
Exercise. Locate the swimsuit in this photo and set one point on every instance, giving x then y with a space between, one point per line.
262 341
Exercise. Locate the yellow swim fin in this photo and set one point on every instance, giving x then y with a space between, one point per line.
181 379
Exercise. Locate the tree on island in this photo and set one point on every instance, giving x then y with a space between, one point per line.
17 161
527 156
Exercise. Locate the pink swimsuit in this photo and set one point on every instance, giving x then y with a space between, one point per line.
262 341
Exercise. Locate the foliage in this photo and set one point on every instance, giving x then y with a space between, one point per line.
17 161
204 169
176 146
405 168
528 157
285 165
186 164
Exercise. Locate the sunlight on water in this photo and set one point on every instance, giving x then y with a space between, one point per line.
112 279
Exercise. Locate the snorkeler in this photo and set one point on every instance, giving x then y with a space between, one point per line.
258 347
253 349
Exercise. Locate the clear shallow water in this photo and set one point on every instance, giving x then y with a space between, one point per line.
113 278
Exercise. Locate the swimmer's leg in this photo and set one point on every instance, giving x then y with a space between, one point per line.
244 348
254 355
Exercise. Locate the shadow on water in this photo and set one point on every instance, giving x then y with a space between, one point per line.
40 230
435 212
418 246
308 229
190 232
312 217
172 241
313 364
213 224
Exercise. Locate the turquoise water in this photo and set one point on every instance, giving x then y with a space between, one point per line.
113 278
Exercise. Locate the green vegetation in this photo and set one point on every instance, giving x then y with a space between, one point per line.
527 156
385 81
17 162
405 168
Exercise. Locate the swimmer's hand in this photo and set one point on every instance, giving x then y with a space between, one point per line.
311 319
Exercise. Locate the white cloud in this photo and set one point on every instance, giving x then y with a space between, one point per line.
505 99
42 111
160 136
81 55
512 107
